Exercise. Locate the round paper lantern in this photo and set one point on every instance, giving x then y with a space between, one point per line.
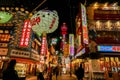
44 21
5 16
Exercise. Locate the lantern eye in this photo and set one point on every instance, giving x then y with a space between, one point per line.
48 13
5 17
38 14
43 15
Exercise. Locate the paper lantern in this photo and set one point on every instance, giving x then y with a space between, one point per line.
5 16
44 21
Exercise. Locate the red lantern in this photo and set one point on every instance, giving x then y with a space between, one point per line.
64 29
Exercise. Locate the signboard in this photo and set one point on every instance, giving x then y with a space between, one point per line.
107 14
66 49
20 53
84 24
103 25
3 51
35 56
44 46
71 44
26 32
108 48
80 53
4 45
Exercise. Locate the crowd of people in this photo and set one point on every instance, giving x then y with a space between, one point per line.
11 74
53 71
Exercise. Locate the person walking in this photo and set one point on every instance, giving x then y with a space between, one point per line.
56 71
80 72
10 73
40 75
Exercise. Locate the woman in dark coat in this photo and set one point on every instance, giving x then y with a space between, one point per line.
10 73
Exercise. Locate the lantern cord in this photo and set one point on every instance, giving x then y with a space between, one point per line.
38 6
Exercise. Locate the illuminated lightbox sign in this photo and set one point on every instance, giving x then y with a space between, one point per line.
3 51
71 44
80 53
44 46
84 24
108 48
25 37
54 40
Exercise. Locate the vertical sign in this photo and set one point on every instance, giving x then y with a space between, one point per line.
44 46
71 44
25 37
84 24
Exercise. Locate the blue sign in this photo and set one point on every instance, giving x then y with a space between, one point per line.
108 48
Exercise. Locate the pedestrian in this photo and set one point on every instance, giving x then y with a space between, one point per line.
40 76
80 72
40 73
56 71
49 72
10 73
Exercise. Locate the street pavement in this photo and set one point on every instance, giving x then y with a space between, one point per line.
65 77
62 77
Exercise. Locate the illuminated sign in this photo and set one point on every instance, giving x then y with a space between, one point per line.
26 31
5 16
103 25
66 49
54 40
84 24
35 56
80 53
108 48
71 44
20 53
3 44
44 46
3 51
4 37
107 14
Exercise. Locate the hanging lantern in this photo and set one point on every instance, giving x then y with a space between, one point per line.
64 29
44 21
5 16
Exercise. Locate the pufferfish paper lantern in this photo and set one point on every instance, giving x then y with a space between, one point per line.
44 21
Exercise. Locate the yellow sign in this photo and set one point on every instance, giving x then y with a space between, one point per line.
116 59
112 58
107 59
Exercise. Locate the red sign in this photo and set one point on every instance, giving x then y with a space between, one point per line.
44 46
24 41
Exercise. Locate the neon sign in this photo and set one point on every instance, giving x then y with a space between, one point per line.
84 24
108 48
26 31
